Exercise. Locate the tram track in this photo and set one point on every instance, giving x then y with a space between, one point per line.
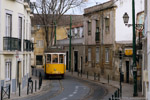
94 87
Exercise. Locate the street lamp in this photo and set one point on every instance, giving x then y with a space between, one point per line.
125 18
134 46
138 27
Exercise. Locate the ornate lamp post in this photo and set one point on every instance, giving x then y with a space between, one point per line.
138 27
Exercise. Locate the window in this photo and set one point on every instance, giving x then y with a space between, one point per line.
73 32
8 70
81 32
26 29
97 33
39 60
97 26
89 28
61 58
106 54
107 24
55 58
78 32
8 25
20 27
89 54
97 54
39 43
48 58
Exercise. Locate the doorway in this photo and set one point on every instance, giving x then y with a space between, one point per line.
76 61
81 64
127 71
19 74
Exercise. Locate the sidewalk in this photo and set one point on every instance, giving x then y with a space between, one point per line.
112 86
44 88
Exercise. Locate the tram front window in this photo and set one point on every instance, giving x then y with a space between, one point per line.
48 58
55 58
61 58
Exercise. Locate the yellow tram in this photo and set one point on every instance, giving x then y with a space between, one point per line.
55 62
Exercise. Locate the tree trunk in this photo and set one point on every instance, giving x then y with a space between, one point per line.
46 36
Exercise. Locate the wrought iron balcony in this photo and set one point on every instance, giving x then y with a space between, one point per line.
11 44
28 45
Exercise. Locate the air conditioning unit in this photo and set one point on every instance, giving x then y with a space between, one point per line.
107 17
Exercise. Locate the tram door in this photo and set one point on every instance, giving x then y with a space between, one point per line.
75 61
67 60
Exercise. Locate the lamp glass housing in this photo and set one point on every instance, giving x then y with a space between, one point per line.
125 18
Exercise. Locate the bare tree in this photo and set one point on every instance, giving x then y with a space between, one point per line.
50 11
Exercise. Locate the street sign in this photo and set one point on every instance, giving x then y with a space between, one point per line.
129 52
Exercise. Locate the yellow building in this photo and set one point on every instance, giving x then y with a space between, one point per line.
38 35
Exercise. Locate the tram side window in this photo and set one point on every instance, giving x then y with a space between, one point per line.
61 58
48 58
55 58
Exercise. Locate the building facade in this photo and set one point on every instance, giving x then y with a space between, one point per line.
15 45
105 28
77 47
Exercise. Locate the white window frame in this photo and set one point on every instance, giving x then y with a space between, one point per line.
8 70
8 25
107 55
89 54
97 54
20 26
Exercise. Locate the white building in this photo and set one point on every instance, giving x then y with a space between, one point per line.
146 52
15 45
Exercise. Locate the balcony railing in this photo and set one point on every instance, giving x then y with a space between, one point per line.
28 45
97 36
11 44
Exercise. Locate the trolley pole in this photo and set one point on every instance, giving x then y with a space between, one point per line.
134 51
55 32
70 44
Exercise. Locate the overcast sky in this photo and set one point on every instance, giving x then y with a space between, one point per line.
80 10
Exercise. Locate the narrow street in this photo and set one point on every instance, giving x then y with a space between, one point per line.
70 88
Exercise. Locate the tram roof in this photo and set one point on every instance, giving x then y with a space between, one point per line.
55 50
